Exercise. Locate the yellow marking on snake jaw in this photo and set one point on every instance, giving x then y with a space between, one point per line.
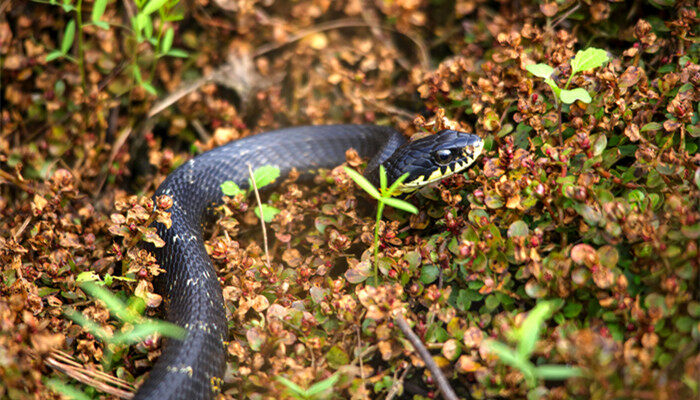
470 154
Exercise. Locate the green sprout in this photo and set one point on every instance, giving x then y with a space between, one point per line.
135 327
385 197
526 338
319 390
263 176
585 60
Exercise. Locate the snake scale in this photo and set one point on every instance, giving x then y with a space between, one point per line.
193 368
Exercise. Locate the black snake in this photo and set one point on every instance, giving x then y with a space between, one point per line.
193 368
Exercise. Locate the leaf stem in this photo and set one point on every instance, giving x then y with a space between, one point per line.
81 50
380 211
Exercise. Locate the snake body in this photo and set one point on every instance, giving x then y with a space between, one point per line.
193 368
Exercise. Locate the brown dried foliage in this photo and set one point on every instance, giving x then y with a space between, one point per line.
601 212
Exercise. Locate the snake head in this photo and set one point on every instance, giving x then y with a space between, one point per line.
432 158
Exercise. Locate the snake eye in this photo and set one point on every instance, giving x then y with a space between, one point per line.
443 156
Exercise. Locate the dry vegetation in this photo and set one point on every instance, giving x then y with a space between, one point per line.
594 206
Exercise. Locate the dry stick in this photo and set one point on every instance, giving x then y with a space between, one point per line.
440 378
112 155
262 220
395 387
15 181
99 380
565 16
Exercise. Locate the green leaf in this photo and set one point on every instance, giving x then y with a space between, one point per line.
651 126
229 188
571 310
324 385
396 184
429 273
518 229
269 212
177 53
491 302
362 182
68 36
540 70
148 28
557 372
66 390
382 178
553 86
115 306
149 88
101 24
529 332
336 357
510 357
291 386
89 325
588 59
153 6
167 40
599 145
144 329
98 9
53 55
570 96
400 204
265 175
137 23
88 276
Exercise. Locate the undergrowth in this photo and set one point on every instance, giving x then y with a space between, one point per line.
580 219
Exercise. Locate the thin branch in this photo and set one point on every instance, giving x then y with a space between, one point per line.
262 220
15 181
397 382
99 380
123 136
440 378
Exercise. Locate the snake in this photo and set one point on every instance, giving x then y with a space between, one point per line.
193 367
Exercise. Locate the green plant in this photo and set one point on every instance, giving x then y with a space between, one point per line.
263 176
134 327
385 197
76 24
526 338
156 33
66 390
319 390
585 60
144 29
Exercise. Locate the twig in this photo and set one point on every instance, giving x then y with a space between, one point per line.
112 155
99 380
565 16
397 382
15 181
203 134
22 228
262 220
440 378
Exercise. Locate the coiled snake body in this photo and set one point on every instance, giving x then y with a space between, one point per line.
193 368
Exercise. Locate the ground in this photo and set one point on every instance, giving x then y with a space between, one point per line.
563 264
